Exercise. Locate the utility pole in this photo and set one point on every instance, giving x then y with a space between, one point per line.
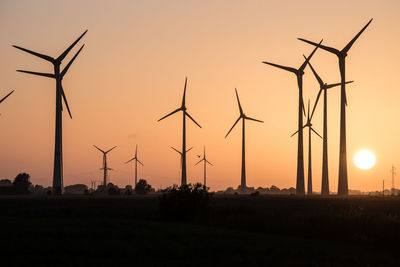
393 172
383 187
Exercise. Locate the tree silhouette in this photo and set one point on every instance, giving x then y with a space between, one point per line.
142 187
21 183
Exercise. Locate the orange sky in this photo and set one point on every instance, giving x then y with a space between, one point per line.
132 71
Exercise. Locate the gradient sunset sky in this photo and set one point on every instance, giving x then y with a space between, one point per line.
132 72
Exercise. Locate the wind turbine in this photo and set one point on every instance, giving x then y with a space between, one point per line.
342 54
180 153
136 162
58 76
300 161
185 113
324 87
105 168
244 117
310 128
204 159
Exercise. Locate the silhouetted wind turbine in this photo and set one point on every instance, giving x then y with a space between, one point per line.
185 113
136 161
58 76
244 117
204 159
324 87
180 153
310 128
300 161
343 180
105 167
4 98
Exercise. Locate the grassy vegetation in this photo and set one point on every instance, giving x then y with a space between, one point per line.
239 230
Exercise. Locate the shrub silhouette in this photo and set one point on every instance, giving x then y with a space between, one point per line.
142 187
21 184
113 190
187 202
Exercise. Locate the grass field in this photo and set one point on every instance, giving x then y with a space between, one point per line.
275 230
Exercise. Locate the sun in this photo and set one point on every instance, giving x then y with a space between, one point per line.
364 159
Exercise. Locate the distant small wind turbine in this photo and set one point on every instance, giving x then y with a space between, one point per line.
135 158
243 185
180 158
300 160
58 76
204 159
324 87
105 167
341 54
310 128
185 113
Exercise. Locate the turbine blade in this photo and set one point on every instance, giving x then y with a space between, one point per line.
294 133
35 53
327 48
136 152
316 102
98 148
7 96
336 84
177 150
281 67
66 102
308 111
240 106
233 126
209 163
110 149
348 46
303 66
64 71
187 114
140 162
130 160
315 73
48 75
184 94
189 149
304 110
63 55
176 110
252 119
198 162
316 132
345 98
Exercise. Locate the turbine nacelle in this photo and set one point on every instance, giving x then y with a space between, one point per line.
242 115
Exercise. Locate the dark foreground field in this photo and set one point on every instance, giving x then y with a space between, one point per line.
270 230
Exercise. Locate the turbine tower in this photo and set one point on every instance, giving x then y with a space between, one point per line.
204 159
185 113
243 185
135 158
4 98
324 87
105 167
300 160
310 128
180 153
58 76
342 54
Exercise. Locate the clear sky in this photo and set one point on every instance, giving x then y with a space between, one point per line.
132 71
